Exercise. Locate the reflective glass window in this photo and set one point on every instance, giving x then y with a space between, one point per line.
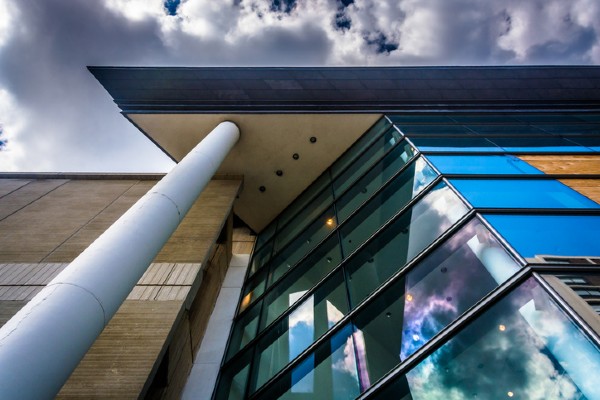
330 372
524 347
232 384
303 218
261 257
454 144
481 164
437 291
302 244
253 288
537 144
520 193
576 129
385 204
265 235
550 235
506 129
420 119
366 160
592 143
299 329
362 143
400 242
244 330
410 130
370 182
306 275
302 201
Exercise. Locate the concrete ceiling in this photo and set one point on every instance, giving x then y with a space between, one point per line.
267 144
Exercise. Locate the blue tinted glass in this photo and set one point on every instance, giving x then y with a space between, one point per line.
520 193
454 144
589 142
555 235
537 144
488 164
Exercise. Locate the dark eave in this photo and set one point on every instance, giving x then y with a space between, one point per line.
348 89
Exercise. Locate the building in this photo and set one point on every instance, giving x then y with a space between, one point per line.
423 233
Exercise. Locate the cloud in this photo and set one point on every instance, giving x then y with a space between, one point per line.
59 118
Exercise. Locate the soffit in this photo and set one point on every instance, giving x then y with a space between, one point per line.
267 143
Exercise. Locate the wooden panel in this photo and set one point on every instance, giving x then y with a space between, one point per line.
120 361
587 187
565 164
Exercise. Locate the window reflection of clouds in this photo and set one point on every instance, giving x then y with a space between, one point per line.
452 279
539 355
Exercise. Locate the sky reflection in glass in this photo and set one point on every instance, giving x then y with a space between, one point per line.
523 347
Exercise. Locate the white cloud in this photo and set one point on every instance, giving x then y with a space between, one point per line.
60 118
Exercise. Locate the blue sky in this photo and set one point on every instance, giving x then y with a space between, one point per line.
54 116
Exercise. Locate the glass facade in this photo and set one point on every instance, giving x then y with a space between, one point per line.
411 269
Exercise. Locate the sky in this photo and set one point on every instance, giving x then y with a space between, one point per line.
54 116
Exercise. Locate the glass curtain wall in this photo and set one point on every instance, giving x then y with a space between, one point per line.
403 269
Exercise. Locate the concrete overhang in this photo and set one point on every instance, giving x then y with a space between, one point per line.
267 145
279 109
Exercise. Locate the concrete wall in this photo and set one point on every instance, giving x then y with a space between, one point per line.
46 223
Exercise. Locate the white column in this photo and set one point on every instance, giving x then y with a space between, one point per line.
44 342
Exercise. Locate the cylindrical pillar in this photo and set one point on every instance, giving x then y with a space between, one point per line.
44 342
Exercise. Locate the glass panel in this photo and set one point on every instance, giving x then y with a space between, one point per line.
520 193
385 204
298 330
304 277
437 291
550 235
232 384
484 119
253 288
302 244
410 130
577 129
406 237
506 129
454 144
537 144
266 234
592 143
244 330
261 257
366 160
303 218
362 143
377 176
420 119
304 198
523 347
329 373
485 164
